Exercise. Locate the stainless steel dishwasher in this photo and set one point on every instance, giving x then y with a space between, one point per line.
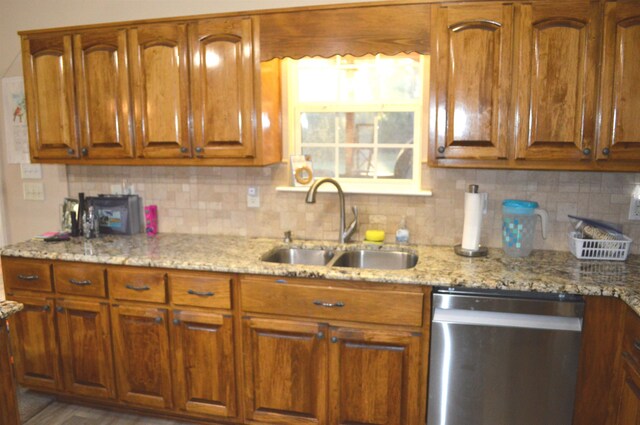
503 358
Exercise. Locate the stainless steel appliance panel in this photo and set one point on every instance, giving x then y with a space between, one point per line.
503 360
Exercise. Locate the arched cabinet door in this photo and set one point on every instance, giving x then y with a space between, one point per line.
222 88
102 87
160 88
49 92
556 81
471 77
620 85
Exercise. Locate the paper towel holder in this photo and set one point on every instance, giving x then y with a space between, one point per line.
482 251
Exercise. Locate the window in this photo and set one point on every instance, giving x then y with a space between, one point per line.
358 118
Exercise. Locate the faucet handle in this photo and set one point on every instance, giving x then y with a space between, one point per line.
287 236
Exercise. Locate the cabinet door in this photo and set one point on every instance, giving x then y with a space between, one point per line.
34 344
141 344
48 80
374 377
285 371
629 402
620 103
222 73
102 85
471 80
204 363
558 61
85 347
160 85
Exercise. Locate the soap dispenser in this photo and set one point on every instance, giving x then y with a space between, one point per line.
402 234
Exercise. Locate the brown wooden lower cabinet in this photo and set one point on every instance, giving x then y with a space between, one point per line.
204 363
34 343
141 344
285 370
628 409
85 348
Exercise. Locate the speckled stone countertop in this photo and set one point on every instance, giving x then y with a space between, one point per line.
542 271
8 308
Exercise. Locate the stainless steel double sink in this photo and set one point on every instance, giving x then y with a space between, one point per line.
357 258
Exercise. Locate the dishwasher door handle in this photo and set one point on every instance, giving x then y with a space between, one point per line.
510 320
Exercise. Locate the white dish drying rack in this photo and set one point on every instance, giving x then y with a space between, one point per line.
599 249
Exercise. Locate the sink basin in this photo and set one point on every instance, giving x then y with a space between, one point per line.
384 260
308 256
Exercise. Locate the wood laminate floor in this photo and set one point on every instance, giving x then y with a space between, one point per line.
58 413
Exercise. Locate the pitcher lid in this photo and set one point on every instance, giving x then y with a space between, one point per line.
516 203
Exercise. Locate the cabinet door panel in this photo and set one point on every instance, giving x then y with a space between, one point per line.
556 81
373 377
222 72
34 343
620 128
85 346
48 79
204 363
160 90
141 344
286 371
472 74
100 59
628 409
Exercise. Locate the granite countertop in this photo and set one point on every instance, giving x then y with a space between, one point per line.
542 271
8 308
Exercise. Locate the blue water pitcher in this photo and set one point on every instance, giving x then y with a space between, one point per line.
519 225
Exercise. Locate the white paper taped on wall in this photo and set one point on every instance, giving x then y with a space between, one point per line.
15 121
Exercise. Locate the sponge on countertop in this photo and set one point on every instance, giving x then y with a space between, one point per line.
374 236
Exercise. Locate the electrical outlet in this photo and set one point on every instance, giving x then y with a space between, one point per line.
33 191
253 197
634 209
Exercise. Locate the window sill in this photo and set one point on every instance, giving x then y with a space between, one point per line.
361 190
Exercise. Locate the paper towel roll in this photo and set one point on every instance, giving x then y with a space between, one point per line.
474 208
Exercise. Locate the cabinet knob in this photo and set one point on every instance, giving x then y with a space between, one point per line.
85 151
320 335
586 151
46 308
334 339
175 321
158 320
70 151
606 151
636 344
59 309
184 149
440 149
199 149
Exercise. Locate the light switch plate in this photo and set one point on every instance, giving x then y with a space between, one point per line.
634 209
33 191
31 171
253 197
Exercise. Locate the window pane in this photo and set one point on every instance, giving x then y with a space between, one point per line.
395 127
318 127
323 160
357 163
395 163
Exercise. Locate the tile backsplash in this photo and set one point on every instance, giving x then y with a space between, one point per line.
213 200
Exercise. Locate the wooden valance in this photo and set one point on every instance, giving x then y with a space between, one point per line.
358 30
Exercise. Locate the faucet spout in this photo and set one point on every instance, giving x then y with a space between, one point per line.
344 232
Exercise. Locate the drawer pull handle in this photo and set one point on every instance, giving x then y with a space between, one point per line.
28 277
138 288
326 304
281 281
80 282
200 294
636 344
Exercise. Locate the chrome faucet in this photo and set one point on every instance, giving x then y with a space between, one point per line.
344 232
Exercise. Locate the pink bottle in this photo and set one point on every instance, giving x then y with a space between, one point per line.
151 219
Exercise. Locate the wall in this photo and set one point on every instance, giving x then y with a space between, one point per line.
212 200
23 219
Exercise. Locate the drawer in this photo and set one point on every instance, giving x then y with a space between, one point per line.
631 340
137 284
200 290
26 274
294 298
80 279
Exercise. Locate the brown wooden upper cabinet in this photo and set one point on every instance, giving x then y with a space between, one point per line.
165 93
545 112
620 84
